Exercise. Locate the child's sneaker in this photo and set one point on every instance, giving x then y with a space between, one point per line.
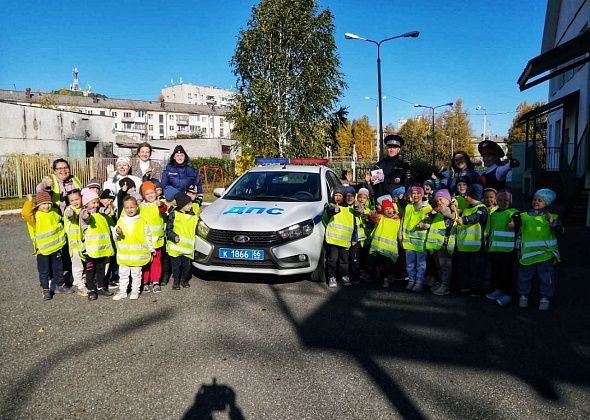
63 290
411 284
544 304
113 284
92 295
435 287
47 294
83 291
332 282
504 300
120 295
134 296
104 292
442 291
147 288
346 281
495 294
523 302
157 288
385 281
418 287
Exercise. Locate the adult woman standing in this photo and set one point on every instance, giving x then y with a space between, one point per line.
123 170
144 167
178 175
60 183
461 165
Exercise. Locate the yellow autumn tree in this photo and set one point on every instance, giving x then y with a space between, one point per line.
363 136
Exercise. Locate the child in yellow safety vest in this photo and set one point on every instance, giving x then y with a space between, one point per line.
181 229
340 235
384 250
153 211
440 241
414 238
193 192
365 227
134 248
500 247
470 242
74 235
354 264
47 233
97 244
538 248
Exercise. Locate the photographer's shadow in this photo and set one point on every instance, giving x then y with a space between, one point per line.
214 398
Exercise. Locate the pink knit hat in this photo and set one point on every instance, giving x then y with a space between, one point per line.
444 193
88 195
418 189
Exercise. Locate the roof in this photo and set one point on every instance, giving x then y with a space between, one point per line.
551 106
111 103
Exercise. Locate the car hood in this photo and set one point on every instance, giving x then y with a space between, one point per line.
259 215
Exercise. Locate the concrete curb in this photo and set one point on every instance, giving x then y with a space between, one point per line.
9 212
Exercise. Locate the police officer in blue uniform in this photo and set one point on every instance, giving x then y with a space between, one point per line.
396 171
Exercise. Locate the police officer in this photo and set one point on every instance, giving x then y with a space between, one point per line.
396 171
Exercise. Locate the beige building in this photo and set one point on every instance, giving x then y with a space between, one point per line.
187 93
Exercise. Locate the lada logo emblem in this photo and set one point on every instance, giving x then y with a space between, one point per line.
241 239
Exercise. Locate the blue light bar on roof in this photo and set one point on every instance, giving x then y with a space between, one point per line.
268 161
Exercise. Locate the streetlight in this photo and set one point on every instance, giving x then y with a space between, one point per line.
485 114
433 108
413 34
369 98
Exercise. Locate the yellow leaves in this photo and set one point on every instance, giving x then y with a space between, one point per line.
244 163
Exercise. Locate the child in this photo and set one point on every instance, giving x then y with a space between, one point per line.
340 232
470 241
441 239
48 236
74 234
538 248
96 234
94 185
153 212
414 238
181 229
384 242
462 185
354 266
127 188
196 198
107 197
501 250
364 229
489 199
134 248
428 187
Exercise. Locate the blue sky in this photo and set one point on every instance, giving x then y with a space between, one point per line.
474 50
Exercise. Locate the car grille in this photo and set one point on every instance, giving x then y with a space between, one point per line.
241 263
257 239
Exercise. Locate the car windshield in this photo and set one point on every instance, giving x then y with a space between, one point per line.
276 186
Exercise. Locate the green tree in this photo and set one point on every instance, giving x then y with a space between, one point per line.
517 132
288 79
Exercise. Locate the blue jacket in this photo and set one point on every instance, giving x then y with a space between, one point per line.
180 177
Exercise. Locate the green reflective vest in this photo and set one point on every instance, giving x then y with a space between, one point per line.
97 238
185 226
196 208
340 228
412 238
437 238
384 241
469 236
363 227
49 235
501 237
73 232
461 203
538 242
132 246
55 191
155 220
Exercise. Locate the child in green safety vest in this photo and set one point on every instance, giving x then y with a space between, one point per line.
197 199
538 248
365 228
44 223
440 241
470 242
340 235
414 238
181 229
500 247
354 267
134 248
489 200
384 250
74 235
461 190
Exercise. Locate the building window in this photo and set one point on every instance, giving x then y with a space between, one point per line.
89 112
161 118
150 116
102 113
161 129
171 117
127 125
171 128
182 128
221 132
115 126
139 126
140 114
151 137
126 114
113 114
204 118
190 95
151 127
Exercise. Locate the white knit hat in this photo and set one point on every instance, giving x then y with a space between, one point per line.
123 161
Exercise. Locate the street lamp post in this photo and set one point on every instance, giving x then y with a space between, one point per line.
485 114
432 108
413 34
377 140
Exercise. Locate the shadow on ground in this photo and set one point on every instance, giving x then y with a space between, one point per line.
214 398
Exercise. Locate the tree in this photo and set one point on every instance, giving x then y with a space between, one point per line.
288 79
389 129
344 141
517 132
363 136
336 121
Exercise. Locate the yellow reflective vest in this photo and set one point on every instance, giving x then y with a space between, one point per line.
538 242
185 226
48 236
384 240
412 238
97 237
73 232
55 197
156 221
340 228
469 236
363 227
500 237
132 246
437 238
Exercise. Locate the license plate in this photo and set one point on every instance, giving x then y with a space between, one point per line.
241 254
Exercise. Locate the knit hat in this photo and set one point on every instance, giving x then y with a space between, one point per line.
127 181
444 193
475 191
381 199
123 161
465 179
505 194
107 194
88 195
398 191
387 204
349 190
363 191
547 195
93 183
429 182
495 191
179 149
42 197
146 186
182 200
417 189
339 189
192 189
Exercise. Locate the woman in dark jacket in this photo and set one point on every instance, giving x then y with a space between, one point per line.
178 175
461 165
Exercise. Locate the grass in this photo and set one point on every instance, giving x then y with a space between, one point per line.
12 203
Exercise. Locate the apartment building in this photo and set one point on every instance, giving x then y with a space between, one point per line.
187 93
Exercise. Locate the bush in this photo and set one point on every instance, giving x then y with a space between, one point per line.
228 166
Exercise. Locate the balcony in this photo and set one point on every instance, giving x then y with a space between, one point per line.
182 119
130 119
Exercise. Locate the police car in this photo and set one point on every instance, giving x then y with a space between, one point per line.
269 221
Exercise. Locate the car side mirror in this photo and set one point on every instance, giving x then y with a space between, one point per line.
218 192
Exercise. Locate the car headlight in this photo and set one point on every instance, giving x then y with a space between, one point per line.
297 231
202 230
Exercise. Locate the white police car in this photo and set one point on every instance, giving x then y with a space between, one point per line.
269 221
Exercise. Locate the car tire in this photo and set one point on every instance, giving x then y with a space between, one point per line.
319 275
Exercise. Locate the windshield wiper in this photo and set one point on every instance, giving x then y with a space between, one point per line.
238 197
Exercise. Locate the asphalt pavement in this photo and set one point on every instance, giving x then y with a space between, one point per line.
235 346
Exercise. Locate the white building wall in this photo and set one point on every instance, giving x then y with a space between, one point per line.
187 93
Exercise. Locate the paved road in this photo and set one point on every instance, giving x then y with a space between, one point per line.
243 347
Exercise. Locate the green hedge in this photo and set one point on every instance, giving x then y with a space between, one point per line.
228 166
